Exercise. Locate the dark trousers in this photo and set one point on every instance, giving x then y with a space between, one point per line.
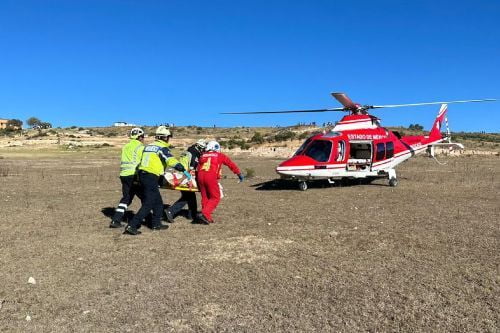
152 200
129 190
187 198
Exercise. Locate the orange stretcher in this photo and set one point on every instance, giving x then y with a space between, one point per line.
178 181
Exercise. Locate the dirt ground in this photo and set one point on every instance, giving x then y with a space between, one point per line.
421 257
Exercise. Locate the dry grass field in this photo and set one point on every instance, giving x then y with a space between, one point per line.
421 257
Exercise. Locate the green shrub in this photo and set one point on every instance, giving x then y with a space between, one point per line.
303 135
6 132
101 145
70 146
38 135
249 173
284 136
257 138
233 143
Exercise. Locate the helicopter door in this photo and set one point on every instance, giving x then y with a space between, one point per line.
360 156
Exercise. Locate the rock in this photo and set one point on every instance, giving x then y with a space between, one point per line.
31 280
334 234
28 318
1 303
86 312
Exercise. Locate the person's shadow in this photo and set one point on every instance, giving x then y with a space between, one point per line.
110 211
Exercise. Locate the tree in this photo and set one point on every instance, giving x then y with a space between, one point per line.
33 122
257 138
45 125
15 123
416 127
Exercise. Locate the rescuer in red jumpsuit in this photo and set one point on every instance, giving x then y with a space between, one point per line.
208 175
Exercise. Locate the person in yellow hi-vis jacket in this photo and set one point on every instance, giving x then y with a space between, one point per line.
155 159
131 157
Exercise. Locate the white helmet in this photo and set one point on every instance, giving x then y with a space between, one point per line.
201 143
163 131
136 133
213 146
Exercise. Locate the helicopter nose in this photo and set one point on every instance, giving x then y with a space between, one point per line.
290 166
297 161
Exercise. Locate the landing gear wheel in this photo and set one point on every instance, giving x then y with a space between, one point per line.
393 182
302 186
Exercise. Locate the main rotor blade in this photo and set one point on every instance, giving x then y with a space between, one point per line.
430 103
291 111
344 100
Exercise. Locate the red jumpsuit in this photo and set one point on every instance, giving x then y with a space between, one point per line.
209 172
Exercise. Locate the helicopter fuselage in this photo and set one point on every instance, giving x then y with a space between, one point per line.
357 147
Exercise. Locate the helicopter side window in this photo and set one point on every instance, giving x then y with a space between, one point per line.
303 147
340 151
389 149
380 151
319 150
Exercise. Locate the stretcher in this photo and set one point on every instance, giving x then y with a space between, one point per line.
175 180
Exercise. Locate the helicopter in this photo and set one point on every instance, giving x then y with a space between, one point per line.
359 147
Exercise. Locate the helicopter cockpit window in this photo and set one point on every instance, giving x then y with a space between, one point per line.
303 147
319 150
340 151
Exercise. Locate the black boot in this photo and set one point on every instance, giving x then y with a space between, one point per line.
115 224
169 216
131 231
160 227
201 219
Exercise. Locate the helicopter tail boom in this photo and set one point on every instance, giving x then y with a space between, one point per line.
435 133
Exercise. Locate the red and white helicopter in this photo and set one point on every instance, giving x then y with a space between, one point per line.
359 147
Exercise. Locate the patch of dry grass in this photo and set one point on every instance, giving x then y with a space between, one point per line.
420 257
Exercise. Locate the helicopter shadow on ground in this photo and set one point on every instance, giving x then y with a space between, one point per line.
284 185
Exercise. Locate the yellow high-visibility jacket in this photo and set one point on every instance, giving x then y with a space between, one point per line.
131 157
157 157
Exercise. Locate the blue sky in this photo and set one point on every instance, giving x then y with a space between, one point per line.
90 63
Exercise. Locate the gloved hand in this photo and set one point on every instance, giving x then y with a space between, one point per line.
188 175
240 177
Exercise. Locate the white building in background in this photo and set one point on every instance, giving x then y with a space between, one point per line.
122 124
3 123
